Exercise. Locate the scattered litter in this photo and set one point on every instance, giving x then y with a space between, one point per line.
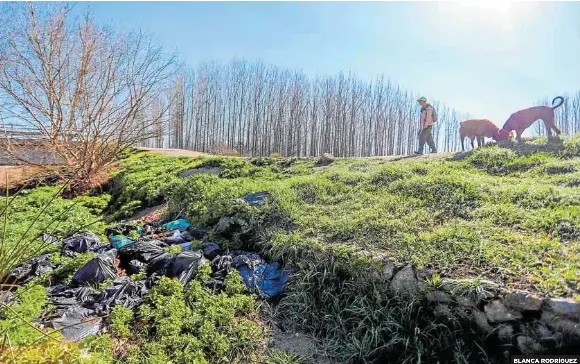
119 241
143 251
180 224
210 250
197 233
34 267
80 243
258 199
77 323
97 270
120 229
268 278
77 308
176 238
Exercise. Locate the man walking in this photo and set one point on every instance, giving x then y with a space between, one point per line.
427 119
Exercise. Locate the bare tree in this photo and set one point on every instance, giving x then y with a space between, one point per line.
86 90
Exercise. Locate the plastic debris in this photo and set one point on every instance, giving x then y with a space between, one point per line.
50 239
80 243
186 246
76 308
185 264
176 238
143 251
77 323
120 229
197 233
210 249
26 271
268 278
119 241
180 224
136 266
97 270
257 199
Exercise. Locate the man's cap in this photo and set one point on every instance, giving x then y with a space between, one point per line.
422 98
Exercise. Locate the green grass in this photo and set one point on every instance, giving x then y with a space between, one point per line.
506 215
496 214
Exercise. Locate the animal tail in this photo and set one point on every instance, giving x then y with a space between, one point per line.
560 104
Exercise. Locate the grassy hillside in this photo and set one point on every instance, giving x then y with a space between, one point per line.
496 213
508 215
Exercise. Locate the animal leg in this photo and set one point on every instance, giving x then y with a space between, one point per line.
480 141
472 145
462 145
519 133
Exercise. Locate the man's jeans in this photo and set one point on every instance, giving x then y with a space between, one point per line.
427 136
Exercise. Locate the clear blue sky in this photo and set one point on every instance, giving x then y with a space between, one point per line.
489 59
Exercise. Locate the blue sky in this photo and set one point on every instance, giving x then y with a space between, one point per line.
490 59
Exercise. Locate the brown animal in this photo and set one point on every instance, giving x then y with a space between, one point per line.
480 129
523 119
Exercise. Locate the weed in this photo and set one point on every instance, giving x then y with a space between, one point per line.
121 318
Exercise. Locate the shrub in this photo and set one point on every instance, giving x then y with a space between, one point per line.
121 318
31 303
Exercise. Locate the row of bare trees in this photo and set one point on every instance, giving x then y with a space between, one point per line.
256 109
567 115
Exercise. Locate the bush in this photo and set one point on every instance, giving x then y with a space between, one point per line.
121 318
197 325
14 318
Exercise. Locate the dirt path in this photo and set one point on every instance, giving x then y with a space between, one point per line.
176 152
194 154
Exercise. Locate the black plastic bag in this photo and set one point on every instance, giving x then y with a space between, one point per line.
77 323
135 266
26 271
123 292
160 265
197 233
210 249
120 229
185 265
143 251
80 243
97 270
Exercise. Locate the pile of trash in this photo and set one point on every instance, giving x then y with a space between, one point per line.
78 308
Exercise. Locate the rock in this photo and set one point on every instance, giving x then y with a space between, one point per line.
505 334
481 322
529 346
443 311
325 159
388 270
564 306
497 312
404 281
465 301
438 296
567 327
523 301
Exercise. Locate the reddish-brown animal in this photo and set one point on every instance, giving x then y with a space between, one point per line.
523 119
480 129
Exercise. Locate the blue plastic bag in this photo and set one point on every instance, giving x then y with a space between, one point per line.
268 278
180 224
119 241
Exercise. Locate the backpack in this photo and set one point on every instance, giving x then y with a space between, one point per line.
434 115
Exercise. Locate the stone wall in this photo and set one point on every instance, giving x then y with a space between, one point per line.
520 322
